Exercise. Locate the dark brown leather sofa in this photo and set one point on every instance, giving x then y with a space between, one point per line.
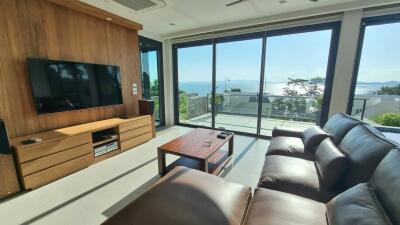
331 169
373 203
301 143
351 177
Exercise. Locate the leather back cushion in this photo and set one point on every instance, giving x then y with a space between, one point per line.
385 183
312 137
330 162
355 206
338 126
364 150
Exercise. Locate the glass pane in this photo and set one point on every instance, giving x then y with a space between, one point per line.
377 93
237 85
294 84
195 85
150 87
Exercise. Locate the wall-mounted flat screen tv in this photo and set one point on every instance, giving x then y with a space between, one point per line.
62 86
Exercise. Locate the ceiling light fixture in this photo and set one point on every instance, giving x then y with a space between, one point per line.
235 2
282 1
108 18
172 24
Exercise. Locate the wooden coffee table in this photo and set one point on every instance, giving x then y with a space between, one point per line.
199 149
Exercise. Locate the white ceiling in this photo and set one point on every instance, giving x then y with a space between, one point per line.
191 15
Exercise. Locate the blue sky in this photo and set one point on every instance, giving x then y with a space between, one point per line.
302 55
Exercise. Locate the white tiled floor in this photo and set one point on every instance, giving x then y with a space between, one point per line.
92 195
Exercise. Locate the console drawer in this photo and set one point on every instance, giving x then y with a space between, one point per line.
54 159
53 173
125 145
47 148
135 132
135 124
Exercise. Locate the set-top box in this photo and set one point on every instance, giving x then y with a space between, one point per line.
103 149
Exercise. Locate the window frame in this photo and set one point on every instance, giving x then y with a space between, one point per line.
334 26
369 21
160 70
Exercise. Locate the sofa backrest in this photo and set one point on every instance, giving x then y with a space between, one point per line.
364 148
375 202
339 125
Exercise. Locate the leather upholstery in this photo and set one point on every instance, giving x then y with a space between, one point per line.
364 150
355 206
376 202
339 125
336 127
287 132
294 175
186 196
289 146
331 163
385 183
312 137
269 207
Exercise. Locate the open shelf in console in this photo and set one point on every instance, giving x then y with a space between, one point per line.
104 136
105 141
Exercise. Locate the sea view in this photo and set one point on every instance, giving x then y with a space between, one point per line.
204 88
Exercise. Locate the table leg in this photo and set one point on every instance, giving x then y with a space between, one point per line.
162 168
204 165
230 149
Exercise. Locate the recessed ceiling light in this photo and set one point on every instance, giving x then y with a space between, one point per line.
108 19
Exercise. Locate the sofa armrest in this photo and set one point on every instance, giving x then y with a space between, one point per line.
287 132
312 137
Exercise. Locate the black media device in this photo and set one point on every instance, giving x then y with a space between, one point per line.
62 85
4 144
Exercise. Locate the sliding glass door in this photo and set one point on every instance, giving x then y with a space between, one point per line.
376 87
238 64
218 82
193 87
295 78
152 79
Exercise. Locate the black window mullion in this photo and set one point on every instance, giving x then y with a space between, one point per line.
214 71
261 87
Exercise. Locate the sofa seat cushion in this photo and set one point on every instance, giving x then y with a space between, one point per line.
269 207
185 196
294 175
289 146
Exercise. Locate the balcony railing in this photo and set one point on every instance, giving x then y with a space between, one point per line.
297 108
371 107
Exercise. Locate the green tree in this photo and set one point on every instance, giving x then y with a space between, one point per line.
389 90
293 86
388 119
312 87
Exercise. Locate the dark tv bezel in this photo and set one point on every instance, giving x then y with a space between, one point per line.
69 110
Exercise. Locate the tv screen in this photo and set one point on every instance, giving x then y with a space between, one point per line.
61 86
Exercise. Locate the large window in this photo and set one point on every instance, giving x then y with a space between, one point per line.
194 86
376 88
238 66
152 82
218 82
295 78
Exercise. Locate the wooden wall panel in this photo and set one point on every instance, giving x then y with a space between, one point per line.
39 28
